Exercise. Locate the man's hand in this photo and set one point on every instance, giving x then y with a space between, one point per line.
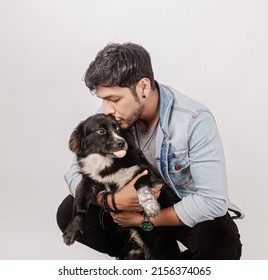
127 198
128 218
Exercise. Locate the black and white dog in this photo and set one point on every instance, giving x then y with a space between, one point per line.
108 160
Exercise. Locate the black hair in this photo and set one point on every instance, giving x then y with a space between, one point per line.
122 65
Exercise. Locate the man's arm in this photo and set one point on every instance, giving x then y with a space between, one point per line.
166 217
126 200
208 170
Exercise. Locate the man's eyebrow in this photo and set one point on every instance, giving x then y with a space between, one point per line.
109 97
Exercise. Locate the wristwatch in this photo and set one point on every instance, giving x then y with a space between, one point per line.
146 224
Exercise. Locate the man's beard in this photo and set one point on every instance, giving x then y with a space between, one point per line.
131 120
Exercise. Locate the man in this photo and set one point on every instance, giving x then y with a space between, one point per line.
179 137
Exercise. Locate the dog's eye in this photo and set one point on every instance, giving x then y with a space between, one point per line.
117 128
101 131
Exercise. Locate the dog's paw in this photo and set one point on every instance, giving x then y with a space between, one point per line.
73 231
151 209
69 237
148 202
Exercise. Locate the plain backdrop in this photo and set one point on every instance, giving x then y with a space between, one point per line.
214 51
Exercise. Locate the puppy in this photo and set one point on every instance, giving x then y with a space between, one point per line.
108 160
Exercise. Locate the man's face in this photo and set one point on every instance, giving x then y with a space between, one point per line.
122 104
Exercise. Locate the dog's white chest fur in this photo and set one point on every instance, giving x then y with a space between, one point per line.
93 164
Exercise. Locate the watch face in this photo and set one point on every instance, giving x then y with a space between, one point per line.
147 226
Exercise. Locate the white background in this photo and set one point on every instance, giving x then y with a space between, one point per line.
214 51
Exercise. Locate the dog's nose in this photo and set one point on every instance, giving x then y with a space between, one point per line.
120 143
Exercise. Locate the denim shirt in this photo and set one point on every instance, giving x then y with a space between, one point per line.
189 157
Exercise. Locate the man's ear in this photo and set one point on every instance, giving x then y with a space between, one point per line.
143 87
76 139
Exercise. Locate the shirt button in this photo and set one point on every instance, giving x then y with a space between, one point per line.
177 167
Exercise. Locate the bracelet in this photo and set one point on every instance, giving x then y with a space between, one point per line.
105 205
104 202
114 205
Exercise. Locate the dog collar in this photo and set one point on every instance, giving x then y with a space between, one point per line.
146 224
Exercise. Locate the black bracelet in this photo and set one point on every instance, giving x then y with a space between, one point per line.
104 202
114 205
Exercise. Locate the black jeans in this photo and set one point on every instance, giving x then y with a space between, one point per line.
216 239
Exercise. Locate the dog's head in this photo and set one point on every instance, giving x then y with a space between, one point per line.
98 134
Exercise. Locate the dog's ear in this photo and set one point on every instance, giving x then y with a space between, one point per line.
76 139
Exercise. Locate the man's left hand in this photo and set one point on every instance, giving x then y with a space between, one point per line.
128 218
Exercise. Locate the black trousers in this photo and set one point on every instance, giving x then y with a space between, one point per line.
216 239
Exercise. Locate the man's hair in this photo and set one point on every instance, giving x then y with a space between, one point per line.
122 65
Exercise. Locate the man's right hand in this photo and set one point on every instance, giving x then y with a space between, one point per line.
126 198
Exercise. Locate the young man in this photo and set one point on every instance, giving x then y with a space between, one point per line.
179 137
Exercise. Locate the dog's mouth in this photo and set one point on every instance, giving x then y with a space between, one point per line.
121 150
120 154
118 148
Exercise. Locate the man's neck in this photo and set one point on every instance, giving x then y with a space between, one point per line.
150 115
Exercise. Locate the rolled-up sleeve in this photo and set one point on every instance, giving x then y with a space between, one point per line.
208 170
73 176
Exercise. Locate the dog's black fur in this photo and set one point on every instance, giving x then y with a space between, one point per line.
108 160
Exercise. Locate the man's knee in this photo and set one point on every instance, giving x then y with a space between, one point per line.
219 240
64 212
220 250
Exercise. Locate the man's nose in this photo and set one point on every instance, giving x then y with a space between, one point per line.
108 108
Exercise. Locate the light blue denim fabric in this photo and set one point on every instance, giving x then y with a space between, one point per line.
190 158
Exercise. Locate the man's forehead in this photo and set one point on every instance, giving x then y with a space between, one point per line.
102 96
111 92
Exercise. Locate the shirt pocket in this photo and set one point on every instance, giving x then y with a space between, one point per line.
179 168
